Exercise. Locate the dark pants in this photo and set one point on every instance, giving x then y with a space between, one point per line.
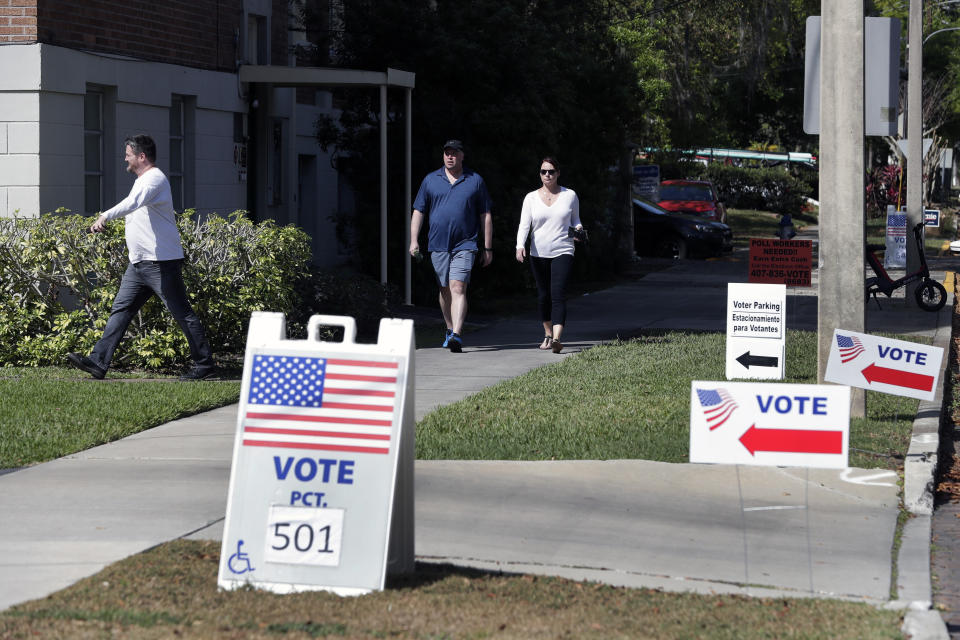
551 275
141 281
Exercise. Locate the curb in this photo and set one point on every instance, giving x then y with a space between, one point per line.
914 586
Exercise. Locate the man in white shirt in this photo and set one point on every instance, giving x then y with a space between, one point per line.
156 259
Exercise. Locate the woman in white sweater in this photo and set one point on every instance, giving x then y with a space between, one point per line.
547 215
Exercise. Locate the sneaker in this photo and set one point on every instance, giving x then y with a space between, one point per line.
86 364
455 343
446 338
199 373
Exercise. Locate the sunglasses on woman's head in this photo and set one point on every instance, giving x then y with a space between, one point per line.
548 172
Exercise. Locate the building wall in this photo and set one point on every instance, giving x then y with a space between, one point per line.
198 33
18 21
139 54
41 127
206 34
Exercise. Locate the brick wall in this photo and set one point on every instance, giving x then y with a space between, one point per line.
195 33
18 21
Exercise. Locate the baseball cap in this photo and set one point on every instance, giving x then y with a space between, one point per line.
453 144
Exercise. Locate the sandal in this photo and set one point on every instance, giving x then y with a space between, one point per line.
547 343
557 346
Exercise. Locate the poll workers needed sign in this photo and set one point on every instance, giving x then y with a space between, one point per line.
769 424
321 487
788 262
897 367
756 329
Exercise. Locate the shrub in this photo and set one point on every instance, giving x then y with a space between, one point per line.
344 294
884 187
57 283
766 188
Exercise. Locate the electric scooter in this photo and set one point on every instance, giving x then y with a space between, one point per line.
931 296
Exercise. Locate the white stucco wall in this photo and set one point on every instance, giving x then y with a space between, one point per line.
41 126
41 136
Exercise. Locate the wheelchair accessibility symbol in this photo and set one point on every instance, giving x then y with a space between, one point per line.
239 563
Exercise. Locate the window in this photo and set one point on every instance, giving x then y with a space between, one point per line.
257 40
177 151
93 151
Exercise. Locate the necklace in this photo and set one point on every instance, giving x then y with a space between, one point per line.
549 196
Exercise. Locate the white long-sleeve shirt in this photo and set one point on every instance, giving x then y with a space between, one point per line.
549 223
151 226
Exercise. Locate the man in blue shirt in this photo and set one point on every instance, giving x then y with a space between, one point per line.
457 202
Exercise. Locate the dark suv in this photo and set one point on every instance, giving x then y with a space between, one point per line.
658 232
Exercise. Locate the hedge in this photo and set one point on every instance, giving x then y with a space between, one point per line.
58 281
762 188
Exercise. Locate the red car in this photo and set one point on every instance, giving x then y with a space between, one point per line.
698 197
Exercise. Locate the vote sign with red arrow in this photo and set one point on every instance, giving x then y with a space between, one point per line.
890 366
793 425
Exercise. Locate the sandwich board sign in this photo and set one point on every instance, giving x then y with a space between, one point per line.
756 330
321 487
897 367
895 255
769 424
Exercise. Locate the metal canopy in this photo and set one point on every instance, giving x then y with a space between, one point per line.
279 76
325 76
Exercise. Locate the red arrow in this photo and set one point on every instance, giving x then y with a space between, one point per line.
898 378
791 440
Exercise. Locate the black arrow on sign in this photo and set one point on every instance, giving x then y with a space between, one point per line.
758 361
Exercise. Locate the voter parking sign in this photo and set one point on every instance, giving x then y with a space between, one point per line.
756 330
321 488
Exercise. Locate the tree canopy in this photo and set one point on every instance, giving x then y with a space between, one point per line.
515 80
520 79
735 71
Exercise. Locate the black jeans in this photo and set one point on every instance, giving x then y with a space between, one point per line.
142 280
551 275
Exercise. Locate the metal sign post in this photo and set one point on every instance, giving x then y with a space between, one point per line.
321 488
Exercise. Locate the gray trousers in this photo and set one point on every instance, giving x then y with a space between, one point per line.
142 280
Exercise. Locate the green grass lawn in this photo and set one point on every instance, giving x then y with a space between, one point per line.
51 412
613 401
750 223
621 401
171 592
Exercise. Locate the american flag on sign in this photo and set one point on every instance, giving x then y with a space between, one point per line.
299 402
717 405
850 347
897 224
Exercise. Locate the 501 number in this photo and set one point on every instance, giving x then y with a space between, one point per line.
304 536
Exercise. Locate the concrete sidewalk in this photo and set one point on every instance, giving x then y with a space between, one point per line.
713 528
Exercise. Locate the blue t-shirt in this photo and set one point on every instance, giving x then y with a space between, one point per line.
454 209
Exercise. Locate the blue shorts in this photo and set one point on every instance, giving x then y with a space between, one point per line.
455 265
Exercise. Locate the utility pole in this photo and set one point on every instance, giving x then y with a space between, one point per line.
914 137
841 295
